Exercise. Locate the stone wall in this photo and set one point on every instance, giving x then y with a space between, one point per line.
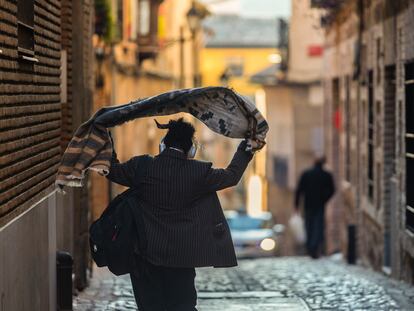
371 46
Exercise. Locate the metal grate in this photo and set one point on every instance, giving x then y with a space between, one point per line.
347 128
370 167
409 145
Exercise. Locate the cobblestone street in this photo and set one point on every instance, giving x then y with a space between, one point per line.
288 283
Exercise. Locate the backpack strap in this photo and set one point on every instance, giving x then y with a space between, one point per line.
135 205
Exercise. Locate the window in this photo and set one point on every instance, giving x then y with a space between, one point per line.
389 139
280 171
347 129
144 19
234 66
378 187
119 18
378 125
25 31
409 145
378 60
147 29
370 138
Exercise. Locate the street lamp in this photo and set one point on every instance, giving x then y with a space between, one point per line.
194 17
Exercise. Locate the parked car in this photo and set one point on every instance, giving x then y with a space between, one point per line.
254 236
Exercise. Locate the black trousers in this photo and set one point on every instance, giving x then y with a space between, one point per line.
158 288
315 230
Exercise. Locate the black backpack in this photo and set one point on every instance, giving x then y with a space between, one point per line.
118 233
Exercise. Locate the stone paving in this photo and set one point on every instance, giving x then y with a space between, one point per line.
286 283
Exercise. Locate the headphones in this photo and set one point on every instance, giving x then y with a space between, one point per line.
190 154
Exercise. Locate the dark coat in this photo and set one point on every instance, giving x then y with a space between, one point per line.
316 186
184 222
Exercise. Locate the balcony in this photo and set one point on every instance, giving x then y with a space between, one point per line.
326 4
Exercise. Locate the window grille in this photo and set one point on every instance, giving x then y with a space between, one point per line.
389 137
348 128
409 145
25 30
370 167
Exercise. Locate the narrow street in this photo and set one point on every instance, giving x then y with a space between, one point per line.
285 283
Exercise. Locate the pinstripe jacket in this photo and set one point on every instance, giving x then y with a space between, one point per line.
183 219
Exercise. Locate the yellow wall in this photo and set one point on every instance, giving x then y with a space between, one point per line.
214 61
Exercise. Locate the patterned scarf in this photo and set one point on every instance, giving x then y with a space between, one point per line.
221 109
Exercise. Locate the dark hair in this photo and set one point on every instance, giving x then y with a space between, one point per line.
180 134
320 160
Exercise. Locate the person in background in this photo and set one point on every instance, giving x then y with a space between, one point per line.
316 186
184 224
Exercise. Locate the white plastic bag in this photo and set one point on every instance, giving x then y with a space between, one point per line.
297 227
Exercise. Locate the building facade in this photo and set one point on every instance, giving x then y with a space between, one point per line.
368 88
151 52
293 98
45 66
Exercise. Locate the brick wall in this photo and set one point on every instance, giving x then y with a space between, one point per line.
29 107
405 55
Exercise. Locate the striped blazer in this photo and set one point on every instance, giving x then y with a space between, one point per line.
183 219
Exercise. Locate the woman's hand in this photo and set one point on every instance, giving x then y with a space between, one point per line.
255 144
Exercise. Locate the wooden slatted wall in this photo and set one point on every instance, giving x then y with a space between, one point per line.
30 109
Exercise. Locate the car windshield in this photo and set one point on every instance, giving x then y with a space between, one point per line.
243 222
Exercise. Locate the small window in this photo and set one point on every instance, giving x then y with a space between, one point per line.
379 122
144 18
379 58
120 19
234 66
280 171
25 31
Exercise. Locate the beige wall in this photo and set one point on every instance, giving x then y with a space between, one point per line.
308 129
280 138
304 31
138 136
295 119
